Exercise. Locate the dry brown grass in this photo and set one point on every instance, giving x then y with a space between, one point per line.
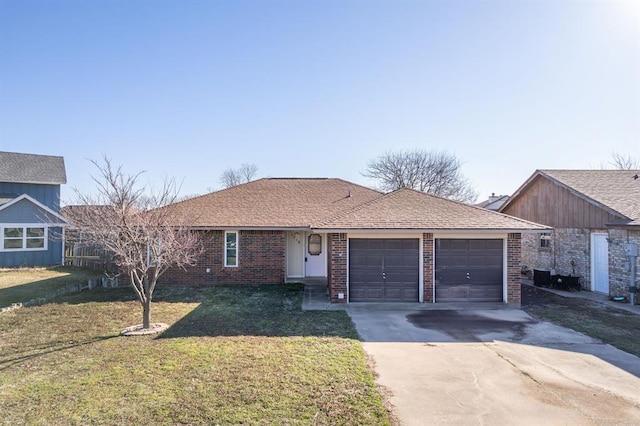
237 355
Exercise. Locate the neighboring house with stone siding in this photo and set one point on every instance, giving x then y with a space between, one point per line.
31 227
594 214
366 246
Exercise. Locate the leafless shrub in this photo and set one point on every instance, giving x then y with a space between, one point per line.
433 172
233 177
138 226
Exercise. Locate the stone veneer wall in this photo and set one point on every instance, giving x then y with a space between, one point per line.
619 271
567 244
534 256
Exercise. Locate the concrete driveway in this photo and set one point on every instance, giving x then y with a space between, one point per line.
497 367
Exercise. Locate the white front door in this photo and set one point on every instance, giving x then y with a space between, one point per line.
600 263
295 254
316 263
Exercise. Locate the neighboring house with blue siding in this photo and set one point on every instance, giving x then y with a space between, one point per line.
31 227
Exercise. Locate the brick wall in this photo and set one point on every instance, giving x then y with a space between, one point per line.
567 245
427 267
514 245
261 260
337 267
619 270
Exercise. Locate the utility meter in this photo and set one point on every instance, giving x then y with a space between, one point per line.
631 249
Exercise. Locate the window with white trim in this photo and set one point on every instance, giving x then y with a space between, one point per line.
231 248
24 238
545 240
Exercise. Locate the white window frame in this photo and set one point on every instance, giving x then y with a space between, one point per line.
24 227
226 248
545 236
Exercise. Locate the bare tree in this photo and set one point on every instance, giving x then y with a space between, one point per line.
624 161
433 172
232 177
139 227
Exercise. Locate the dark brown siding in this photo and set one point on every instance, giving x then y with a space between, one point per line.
553 205
261 256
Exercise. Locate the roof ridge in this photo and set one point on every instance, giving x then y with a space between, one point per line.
195 197
421 193
35 155
353 209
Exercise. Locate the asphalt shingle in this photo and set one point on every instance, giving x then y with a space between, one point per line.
617 189
274 203
32 168
414 210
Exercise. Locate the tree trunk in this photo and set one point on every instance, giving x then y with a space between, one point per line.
146 314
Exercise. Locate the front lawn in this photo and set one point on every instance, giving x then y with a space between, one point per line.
616 327
233 355
22 284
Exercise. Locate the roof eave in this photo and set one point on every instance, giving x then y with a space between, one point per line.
249 228
432 230
34 182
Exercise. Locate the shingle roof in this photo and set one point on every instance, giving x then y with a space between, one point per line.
493 203
616 190
274 203
411 210
32 168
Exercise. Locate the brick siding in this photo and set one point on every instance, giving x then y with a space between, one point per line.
427 267
514 245
337 267
261 260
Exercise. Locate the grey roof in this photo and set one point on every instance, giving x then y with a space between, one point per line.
493 203
32 168
616 190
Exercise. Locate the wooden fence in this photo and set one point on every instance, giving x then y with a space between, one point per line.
88 256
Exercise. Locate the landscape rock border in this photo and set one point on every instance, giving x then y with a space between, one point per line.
137 330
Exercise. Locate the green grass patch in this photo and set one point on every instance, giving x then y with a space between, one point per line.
616 327
232 355
22 284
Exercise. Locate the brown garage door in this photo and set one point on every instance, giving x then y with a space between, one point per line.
384 270
469 270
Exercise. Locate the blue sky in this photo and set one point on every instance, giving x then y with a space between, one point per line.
187 88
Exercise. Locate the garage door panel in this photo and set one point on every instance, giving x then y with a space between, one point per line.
399 259
469 270
357 293
485 293
400 262
485 260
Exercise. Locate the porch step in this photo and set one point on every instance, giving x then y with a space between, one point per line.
315 281
316 296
